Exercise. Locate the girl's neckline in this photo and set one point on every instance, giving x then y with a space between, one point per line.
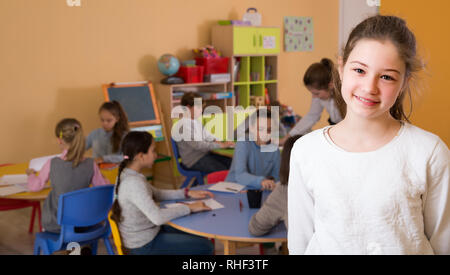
330 142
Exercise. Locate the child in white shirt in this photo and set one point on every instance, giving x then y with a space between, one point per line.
373 183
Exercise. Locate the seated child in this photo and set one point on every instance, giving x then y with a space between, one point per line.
256 164
196 154
105 141
67 173
139 218
274 209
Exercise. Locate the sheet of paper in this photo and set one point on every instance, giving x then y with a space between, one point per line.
13 179
211 203
38 163
13 189
225 186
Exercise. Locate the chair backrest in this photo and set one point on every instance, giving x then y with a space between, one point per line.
215 177
85 207
116 234
177 156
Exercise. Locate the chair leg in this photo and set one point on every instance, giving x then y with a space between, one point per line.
108 246
186 182
94 246
33 213
200 180
41 245
37 249
39 216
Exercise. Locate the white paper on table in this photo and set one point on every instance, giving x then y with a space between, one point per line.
38 163
14 189
211 203
13 179
225 186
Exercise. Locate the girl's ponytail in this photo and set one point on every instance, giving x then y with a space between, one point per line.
116 210
133 144
71 132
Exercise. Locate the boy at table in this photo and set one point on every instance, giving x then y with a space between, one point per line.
256 161
196 153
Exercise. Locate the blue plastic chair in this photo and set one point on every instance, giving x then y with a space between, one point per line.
86 208
189 174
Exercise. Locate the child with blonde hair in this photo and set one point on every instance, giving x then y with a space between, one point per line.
70 172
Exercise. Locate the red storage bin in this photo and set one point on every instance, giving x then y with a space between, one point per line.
217 65
191 74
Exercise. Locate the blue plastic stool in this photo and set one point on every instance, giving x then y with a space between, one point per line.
189 174
87 208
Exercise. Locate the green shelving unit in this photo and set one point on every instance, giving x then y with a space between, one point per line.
254 59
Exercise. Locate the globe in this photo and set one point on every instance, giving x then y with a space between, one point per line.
168 64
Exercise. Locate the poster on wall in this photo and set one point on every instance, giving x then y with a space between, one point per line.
298 34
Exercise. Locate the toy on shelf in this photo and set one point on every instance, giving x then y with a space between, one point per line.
257 101
207 52
215 66
253 17
169 65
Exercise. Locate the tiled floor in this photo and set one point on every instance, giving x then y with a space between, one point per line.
15 239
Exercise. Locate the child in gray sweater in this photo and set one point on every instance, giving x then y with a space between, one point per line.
274 209
139 218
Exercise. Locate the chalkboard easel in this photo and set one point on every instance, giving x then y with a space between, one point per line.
137 99
143 109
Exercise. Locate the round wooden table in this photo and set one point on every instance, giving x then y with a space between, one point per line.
229 224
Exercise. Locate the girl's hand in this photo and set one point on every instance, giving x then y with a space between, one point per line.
268 184
198 206
30 172
98 160
199 194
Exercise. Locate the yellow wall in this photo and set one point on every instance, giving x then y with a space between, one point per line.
430 23
54 58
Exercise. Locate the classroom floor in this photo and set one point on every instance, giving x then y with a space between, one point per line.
15 239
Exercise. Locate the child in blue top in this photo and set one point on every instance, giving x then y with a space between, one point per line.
256 164
105 141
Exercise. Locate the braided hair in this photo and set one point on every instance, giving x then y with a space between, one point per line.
133 144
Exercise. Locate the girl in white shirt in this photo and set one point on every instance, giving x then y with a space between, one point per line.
385 189
318 80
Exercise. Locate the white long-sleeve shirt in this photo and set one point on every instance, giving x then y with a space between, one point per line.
394 200
313 116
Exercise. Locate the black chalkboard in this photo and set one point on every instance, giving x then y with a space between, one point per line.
138 101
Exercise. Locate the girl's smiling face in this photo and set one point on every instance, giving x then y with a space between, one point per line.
372 78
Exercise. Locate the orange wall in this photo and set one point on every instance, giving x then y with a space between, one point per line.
430 23
55 58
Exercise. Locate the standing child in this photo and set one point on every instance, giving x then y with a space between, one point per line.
256 163
67 173
141 221
105 141
373 183
274 209
318 80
